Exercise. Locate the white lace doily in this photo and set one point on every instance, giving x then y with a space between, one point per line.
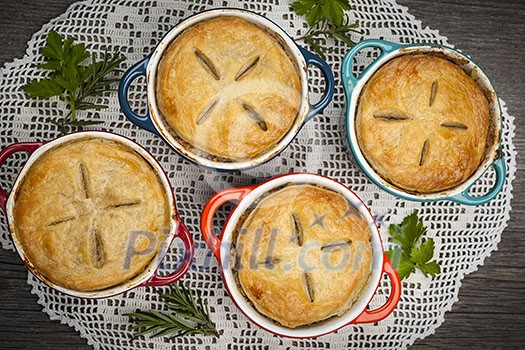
464 235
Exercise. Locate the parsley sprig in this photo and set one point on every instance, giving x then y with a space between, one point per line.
189 316
326 18
413 252
75 76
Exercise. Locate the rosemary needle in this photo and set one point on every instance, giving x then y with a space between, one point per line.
190 315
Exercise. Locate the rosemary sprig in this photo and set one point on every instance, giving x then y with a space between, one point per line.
190 316
75 76
327 19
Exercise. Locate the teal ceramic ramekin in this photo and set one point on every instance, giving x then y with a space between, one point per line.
493 158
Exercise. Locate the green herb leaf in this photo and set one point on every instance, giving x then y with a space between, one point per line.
315 10
405 268
395 255
304 6
72 79
42 89
408 233
51 65
423 253
191 316
76 54
327 19
53 48
411 253
432 268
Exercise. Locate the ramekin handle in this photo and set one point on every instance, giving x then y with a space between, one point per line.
319 107
137 70
372 316
28 147
466 198
349 80
214 203
185 236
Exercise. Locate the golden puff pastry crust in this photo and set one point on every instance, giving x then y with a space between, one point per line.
77 208
303 255
228 89
422 123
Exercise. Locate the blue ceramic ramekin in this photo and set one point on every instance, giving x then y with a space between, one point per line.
353 86
153 122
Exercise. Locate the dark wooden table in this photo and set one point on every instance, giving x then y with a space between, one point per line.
490 313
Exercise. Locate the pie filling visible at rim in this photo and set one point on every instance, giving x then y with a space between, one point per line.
91 214
227 89
423 124
302 254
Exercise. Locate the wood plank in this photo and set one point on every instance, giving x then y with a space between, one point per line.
490 311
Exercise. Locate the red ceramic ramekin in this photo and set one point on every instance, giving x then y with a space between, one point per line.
221 247
149 276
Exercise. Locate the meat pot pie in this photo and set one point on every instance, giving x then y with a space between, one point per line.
77 206
422 123
304 255
228 89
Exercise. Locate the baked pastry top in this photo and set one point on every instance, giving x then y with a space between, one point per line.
422 123
228 89
91 214
303 255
